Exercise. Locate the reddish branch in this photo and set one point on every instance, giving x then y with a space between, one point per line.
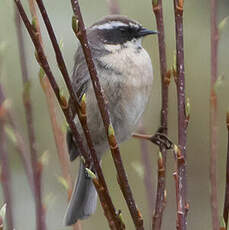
5 170
122 177
68 115
213 116
182 119
165 78
178 176
57 132
36 166
58 135
226 199
22 149
147 169
82 111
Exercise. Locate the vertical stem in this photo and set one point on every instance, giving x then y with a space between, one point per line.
82 106
160 199
213 116
116 222
182 119
122 177
40 212
5 172
58 134
147 170
226 199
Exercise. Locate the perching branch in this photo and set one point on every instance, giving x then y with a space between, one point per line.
5 170
165 79
122 177
80 109
36 167
68 115
183 117
213 116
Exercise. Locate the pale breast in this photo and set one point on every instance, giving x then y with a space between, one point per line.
126 77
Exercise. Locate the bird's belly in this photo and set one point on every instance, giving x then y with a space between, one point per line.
127 95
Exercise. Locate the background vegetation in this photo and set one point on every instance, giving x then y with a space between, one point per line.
197 69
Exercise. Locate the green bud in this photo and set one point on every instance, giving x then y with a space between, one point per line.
111 131
187 108
63 182
41 73
75 24
222 24
90 173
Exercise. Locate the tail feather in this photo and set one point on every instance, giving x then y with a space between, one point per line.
84 199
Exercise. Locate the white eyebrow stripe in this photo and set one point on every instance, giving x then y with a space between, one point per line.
109 25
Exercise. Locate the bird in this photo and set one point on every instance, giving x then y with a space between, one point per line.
126 75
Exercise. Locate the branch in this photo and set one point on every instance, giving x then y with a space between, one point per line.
122 177
226 199
147 169
57 132
165 80
178 176
80 109
59 136
66 110
22 149
36 167
182 116
5 170
213 117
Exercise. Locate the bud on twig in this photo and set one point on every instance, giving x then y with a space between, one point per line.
90 173
111 136
83 106
64 103
75 25
187 108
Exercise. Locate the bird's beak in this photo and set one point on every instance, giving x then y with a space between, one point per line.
144 32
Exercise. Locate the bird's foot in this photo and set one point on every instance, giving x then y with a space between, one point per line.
159 138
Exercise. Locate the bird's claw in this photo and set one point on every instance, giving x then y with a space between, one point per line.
161 139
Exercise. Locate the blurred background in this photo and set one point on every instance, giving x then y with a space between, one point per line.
197 72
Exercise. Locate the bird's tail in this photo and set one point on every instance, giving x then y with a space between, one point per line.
84 198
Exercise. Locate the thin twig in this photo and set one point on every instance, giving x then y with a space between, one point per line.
147 169
22 149
113 6
122 177
226 199
63 103
5 170
81 112
165 79
36 168
57 132
181 211
213 116
182 118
